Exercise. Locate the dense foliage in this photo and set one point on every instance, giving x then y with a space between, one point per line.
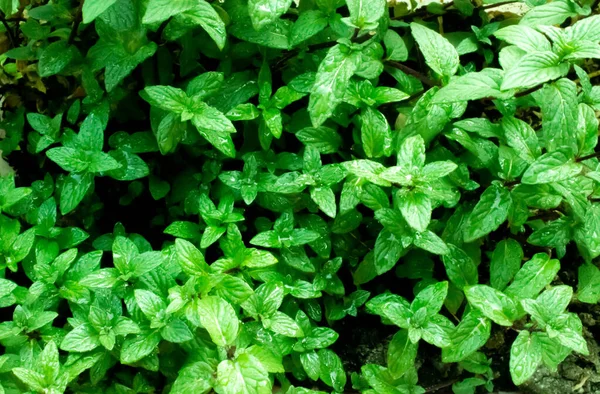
231 196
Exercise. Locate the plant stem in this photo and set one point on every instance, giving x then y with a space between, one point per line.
412 72
530 90
76 23
9 32
488 6
590 156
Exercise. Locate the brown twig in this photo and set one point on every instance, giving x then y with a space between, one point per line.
414 73
9 32
440 386
488 6
76 23
529 91
590 156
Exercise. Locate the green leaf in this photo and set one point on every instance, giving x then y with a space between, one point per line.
243 375
167 98
553 13
135 349
215 127
525 357
388 249
324 139
195 378
332 371
588 289
307 25
74 189
205 15
282 324
190 258
489 213
431 298
552 167
176 331
325 199
311 364
401 354
524 37
460 268
472 86
505 263
560 115
395 46
416 209
82 338
69 159
493 304
55 58
522 138
375 133
161 10
92 8
365 13
535 274
586 29
332 79
265 12
151 305
471 334
533 69
219 319
440 55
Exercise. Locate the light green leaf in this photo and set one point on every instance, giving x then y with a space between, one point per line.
307 25
553 13
588 289
375 133
205 15
401 354
524 37
489 213
525 357
460 268
416 209
325 199
472 86
332 370
331 82
82 338
533 69
535 274
219 319
505 263
471 334
93 8
161 10
552 167
560 115
366 13
195 378
522 138
493 304
440 55
395 46
265 12
245 375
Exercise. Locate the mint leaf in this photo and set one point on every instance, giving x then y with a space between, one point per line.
525 357
440 55
331 82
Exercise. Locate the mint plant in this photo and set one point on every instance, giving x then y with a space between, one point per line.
316 196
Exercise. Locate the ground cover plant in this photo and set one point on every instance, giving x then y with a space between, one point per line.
314 196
